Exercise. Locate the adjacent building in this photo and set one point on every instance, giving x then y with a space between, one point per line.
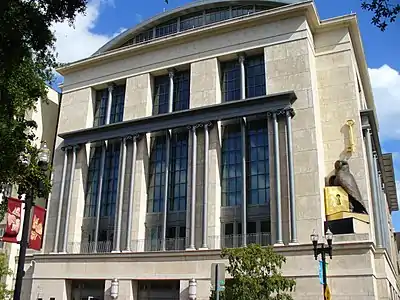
216 124
46 118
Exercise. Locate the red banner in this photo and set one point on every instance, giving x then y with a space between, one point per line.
14 212
36 236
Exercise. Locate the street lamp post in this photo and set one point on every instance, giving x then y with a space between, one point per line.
43 161
323 250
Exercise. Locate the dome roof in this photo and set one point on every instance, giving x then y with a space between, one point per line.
192 15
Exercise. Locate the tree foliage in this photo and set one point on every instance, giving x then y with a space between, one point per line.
5 294
256 274
384 12
27 60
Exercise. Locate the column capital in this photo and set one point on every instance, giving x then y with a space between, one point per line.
209 125
290 112
111 87
133 137
171 73
241 58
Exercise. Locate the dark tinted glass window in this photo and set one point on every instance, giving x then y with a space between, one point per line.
181 92
239 11
216 15
231 166
117 106
157 175
255 76
100 108
229 229
230 80
191 21
258 163
166 29
144 36
110 181
179 165
92 190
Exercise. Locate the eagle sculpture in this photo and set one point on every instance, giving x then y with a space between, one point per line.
346 180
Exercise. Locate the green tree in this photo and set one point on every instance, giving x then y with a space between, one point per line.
384 12
5 294
256 275
27 61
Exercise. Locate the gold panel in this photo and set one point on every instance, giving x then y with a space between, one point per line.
345 215
336 200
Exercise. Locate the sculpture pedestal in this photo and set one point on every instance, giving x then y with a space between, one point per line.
347 223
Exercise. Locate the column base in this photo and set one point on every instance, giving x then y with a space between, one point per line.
204 248
279 244
294 243
126 251
116 251
190 249
53 253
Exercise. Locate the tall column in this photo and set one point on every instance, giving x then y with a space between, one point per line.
135 139
205 185
109 103
244 145
167 161
277 168
374 185
69 200
378 199
121 181
289 141
61 198
193 131
384 223
99 195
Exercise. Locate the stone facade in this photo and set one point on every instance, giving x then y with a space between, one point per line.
322 65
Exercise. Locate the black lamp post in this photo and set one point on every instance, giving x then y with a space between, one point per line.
323 250
43 162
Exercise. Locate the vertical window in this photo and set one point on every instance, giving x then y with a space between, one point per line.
157 175
255 76
93 182
117 106
230 80
179 166
161 95
100 109
257 138
181 93
231 166
258 163
178 173
110 181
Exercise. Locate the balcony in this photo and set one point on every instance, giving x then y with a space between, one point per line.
171 244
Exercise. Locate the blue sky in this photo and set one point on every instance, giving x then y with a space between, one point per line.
106 18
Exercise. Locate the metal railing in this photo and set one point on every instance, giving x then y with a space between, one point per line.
171 244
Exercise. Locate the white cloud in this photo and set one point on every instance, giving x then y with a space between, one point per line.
79 41
386 87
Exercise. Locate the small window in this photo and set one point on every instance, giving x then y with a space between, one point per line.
251 227
265 226
229 229
182 232
239 228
